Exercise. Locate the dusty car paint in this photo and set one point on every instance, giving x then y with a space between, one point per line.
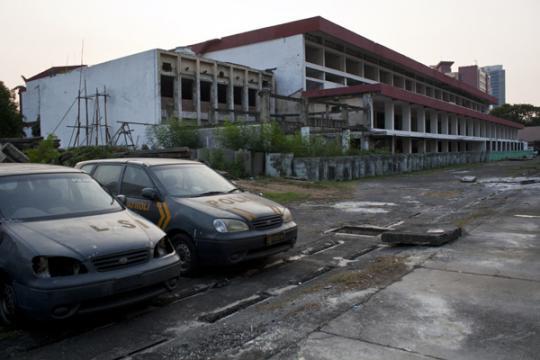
194 216
82 238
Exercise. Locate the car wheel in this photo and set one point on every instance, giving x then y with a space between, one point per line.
186 252
8 304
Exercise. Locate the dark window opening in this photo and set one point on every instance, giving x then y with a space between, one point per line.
379 120
252 97
428 125
222 93
187 89
166 66
206 86
237 94
265 84
167 86
398 122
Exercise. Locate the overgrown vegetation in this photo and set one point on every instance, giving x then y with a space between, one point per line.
47 153
216 159
526 114
270 138
11 124
174 133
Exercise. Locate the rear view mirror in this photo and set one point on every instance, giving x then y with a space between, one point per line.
150 194
121 199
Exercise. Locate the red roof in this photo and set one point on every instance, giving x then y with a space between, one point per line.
320 24
407 96
55 70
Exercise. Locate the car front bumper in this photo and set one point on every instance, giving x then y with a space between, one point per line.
232 248
60 298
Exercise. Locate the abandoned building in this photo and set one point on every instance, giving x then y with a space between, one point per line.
318 76
87 105
407 107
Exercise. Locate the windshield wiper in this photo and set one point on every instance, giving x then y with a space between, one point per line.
233 190
209 193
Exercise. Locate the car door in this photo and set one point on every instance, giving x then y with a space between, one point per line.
134 180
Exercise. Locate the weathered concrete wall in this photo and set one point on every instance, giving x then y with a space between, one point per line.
132 86
354 167
279 164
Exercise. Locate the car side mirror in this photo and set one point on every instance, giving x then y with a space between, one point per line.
121 199
150 194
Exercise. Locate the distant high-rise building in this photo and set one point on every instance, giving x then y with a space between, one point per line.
475 76
497 81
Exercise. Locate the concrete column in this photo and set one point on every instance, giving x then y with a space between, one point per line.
444 146
178 99
407 145
245 95
389 115
393 144
406 115
444 123
434 122
462 126
198 91
230 95
421 118
213 115
422 146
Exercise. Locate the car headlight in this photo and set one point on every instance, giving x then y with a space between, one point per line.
230 225
287 216
46 267
163 247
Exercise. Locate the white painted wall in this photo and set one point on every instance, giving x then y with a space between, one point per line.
132 85
285 54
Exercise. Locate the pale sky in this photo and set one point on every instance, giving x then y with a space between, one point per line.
42 33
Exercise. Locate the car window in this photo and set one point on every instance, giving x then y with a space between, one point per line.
191 180
135 179
52 195
108 175
88 168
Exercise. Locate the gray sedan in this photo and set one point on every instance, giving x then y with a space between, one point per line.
67 246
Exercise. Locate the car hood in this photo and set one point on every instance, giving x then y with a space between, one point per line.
246 206
88 236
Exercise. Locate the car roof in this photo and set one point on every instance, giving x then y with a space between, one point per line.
141 161
28 168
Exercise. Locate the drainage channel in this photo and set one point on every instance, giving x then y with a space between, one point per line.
141 349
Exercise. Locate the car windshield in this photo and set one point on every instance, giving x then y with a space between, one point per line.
41 196
192 180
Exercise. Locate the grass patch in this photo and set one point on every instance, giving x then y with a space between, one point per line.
285 197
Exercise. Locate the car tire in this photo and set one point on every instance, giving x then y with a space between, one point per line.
186 252
9 314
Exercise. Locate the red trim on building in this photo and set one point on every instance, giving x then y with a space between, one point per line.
406 96
320 24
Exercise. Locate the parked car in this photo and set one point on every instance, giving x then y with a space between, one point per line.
208 219
67 246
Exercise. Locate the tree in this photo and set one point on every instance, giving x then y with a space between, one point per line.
526 114
10 120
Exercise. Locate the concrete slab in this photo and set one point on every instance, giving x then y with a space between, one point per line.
322 346
422 235
450 315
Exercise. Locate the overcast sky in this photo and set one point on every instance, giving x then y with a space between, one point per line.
42 33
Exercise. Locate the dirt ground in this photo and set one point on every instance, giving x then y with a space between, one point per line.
339 295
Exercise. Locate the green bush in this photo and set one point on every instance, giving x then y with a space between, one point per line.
174 133
72 156
45 152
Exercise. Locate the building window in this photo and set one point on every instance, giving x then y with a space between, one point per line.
206 86
187 89
252 97
237 94
167 86
222 93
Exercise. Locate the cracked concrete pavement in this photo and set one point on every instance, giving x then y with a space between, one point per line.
341 296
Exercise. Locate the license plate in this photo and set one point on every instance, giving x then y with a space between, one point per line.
275 238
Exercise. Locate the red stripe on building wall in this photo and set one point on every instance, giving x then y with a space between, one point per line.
406 96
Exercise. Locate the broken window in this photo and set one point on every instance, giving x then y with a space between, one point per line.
252 97
167 86
237 94
206 87
187 89
222 93
166 67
